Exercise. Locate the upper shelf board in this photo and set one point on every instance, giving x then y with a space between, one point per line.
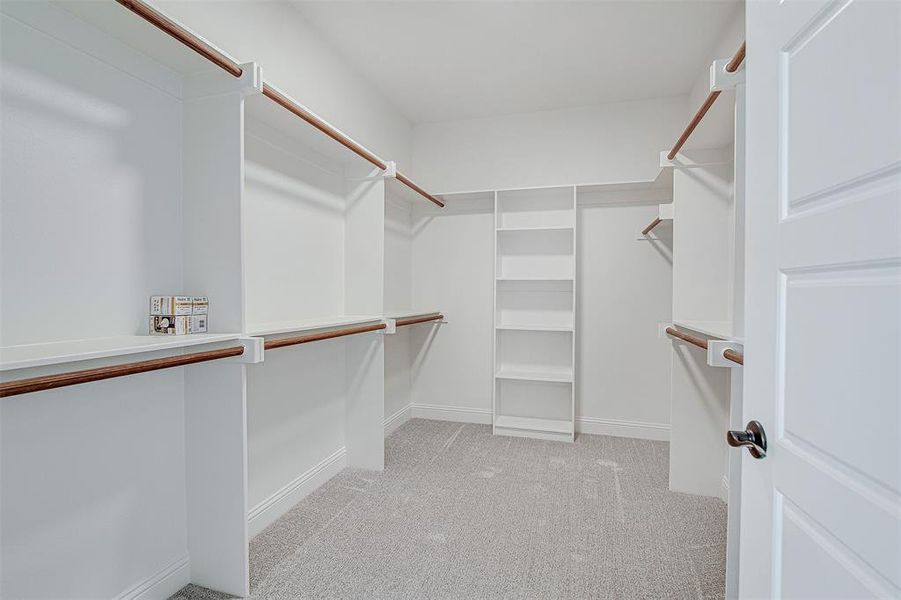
304 325
410 313
536 228
55 353
454 203
264 116
718 329
130 29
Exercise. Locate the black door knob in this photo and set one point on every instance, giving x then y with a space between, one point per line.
754 438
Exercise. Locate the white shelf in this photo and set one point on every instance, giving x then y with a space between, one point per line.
717 329
542 278
409 313
534 328
140 35
536 228
55 353
303 325
533 424
556 376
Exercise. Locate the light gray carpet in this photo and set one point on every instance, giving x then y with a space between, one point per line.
459 513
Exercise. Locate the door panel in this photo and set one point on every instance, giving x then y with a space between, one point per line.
821 515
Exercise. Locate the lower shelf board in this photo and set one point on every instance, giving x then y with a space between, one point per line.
533 424
557 376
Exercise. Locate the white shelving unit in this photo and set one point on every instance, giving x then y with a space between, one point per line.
534 313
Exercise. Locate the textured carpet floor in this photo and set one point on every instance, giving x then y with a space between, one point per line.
461 514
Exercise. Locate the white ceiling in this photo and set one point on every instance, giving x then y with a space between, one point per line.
439 60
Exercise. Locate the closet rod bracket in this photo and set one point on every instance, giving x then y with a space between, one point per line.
390 171
722 80
720 351
253 352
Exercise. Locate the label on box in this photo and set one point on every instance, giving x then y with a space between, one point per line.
171 305
177 324
198 324
201 305
169 324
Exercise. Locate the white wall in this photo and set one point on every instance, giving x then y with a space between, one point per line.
91 204
292 209
453 272
625 290
605 143
295 59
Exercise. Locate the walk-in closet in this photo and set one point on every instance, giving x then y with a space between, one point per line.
392 299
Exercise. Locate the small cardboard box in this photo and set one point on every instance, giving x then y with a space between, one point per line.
201 305
171 305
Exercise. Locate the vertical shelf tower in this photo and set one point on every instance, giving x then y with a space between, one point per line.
535 313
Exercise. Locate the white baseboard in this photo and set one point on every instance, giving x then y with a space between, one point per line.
398 419
266 512
593 425
630 429
460 414
163 583
724 489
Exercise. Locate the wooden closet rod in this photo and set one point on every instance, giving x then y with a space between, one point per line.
415 320
731 67
699 342
49 382
730 354
315 337
322 126
342 139
653 224
217 58
406 181
182 35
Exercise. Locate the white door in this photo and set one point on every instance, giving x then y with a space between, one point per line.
821 513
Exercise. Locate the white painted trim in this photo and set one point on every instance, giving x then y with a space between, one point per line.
619 428
269 510
724 489
460 414
398 419
592 425
163 583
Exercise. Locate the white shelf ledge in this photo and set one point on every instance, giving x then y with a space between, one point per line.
302 325
548 376
67 351
536 228
533 424
534 279
559 328
717 329
409 313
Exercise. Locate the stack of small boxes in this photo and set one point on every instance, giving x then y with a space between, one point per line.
178 315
